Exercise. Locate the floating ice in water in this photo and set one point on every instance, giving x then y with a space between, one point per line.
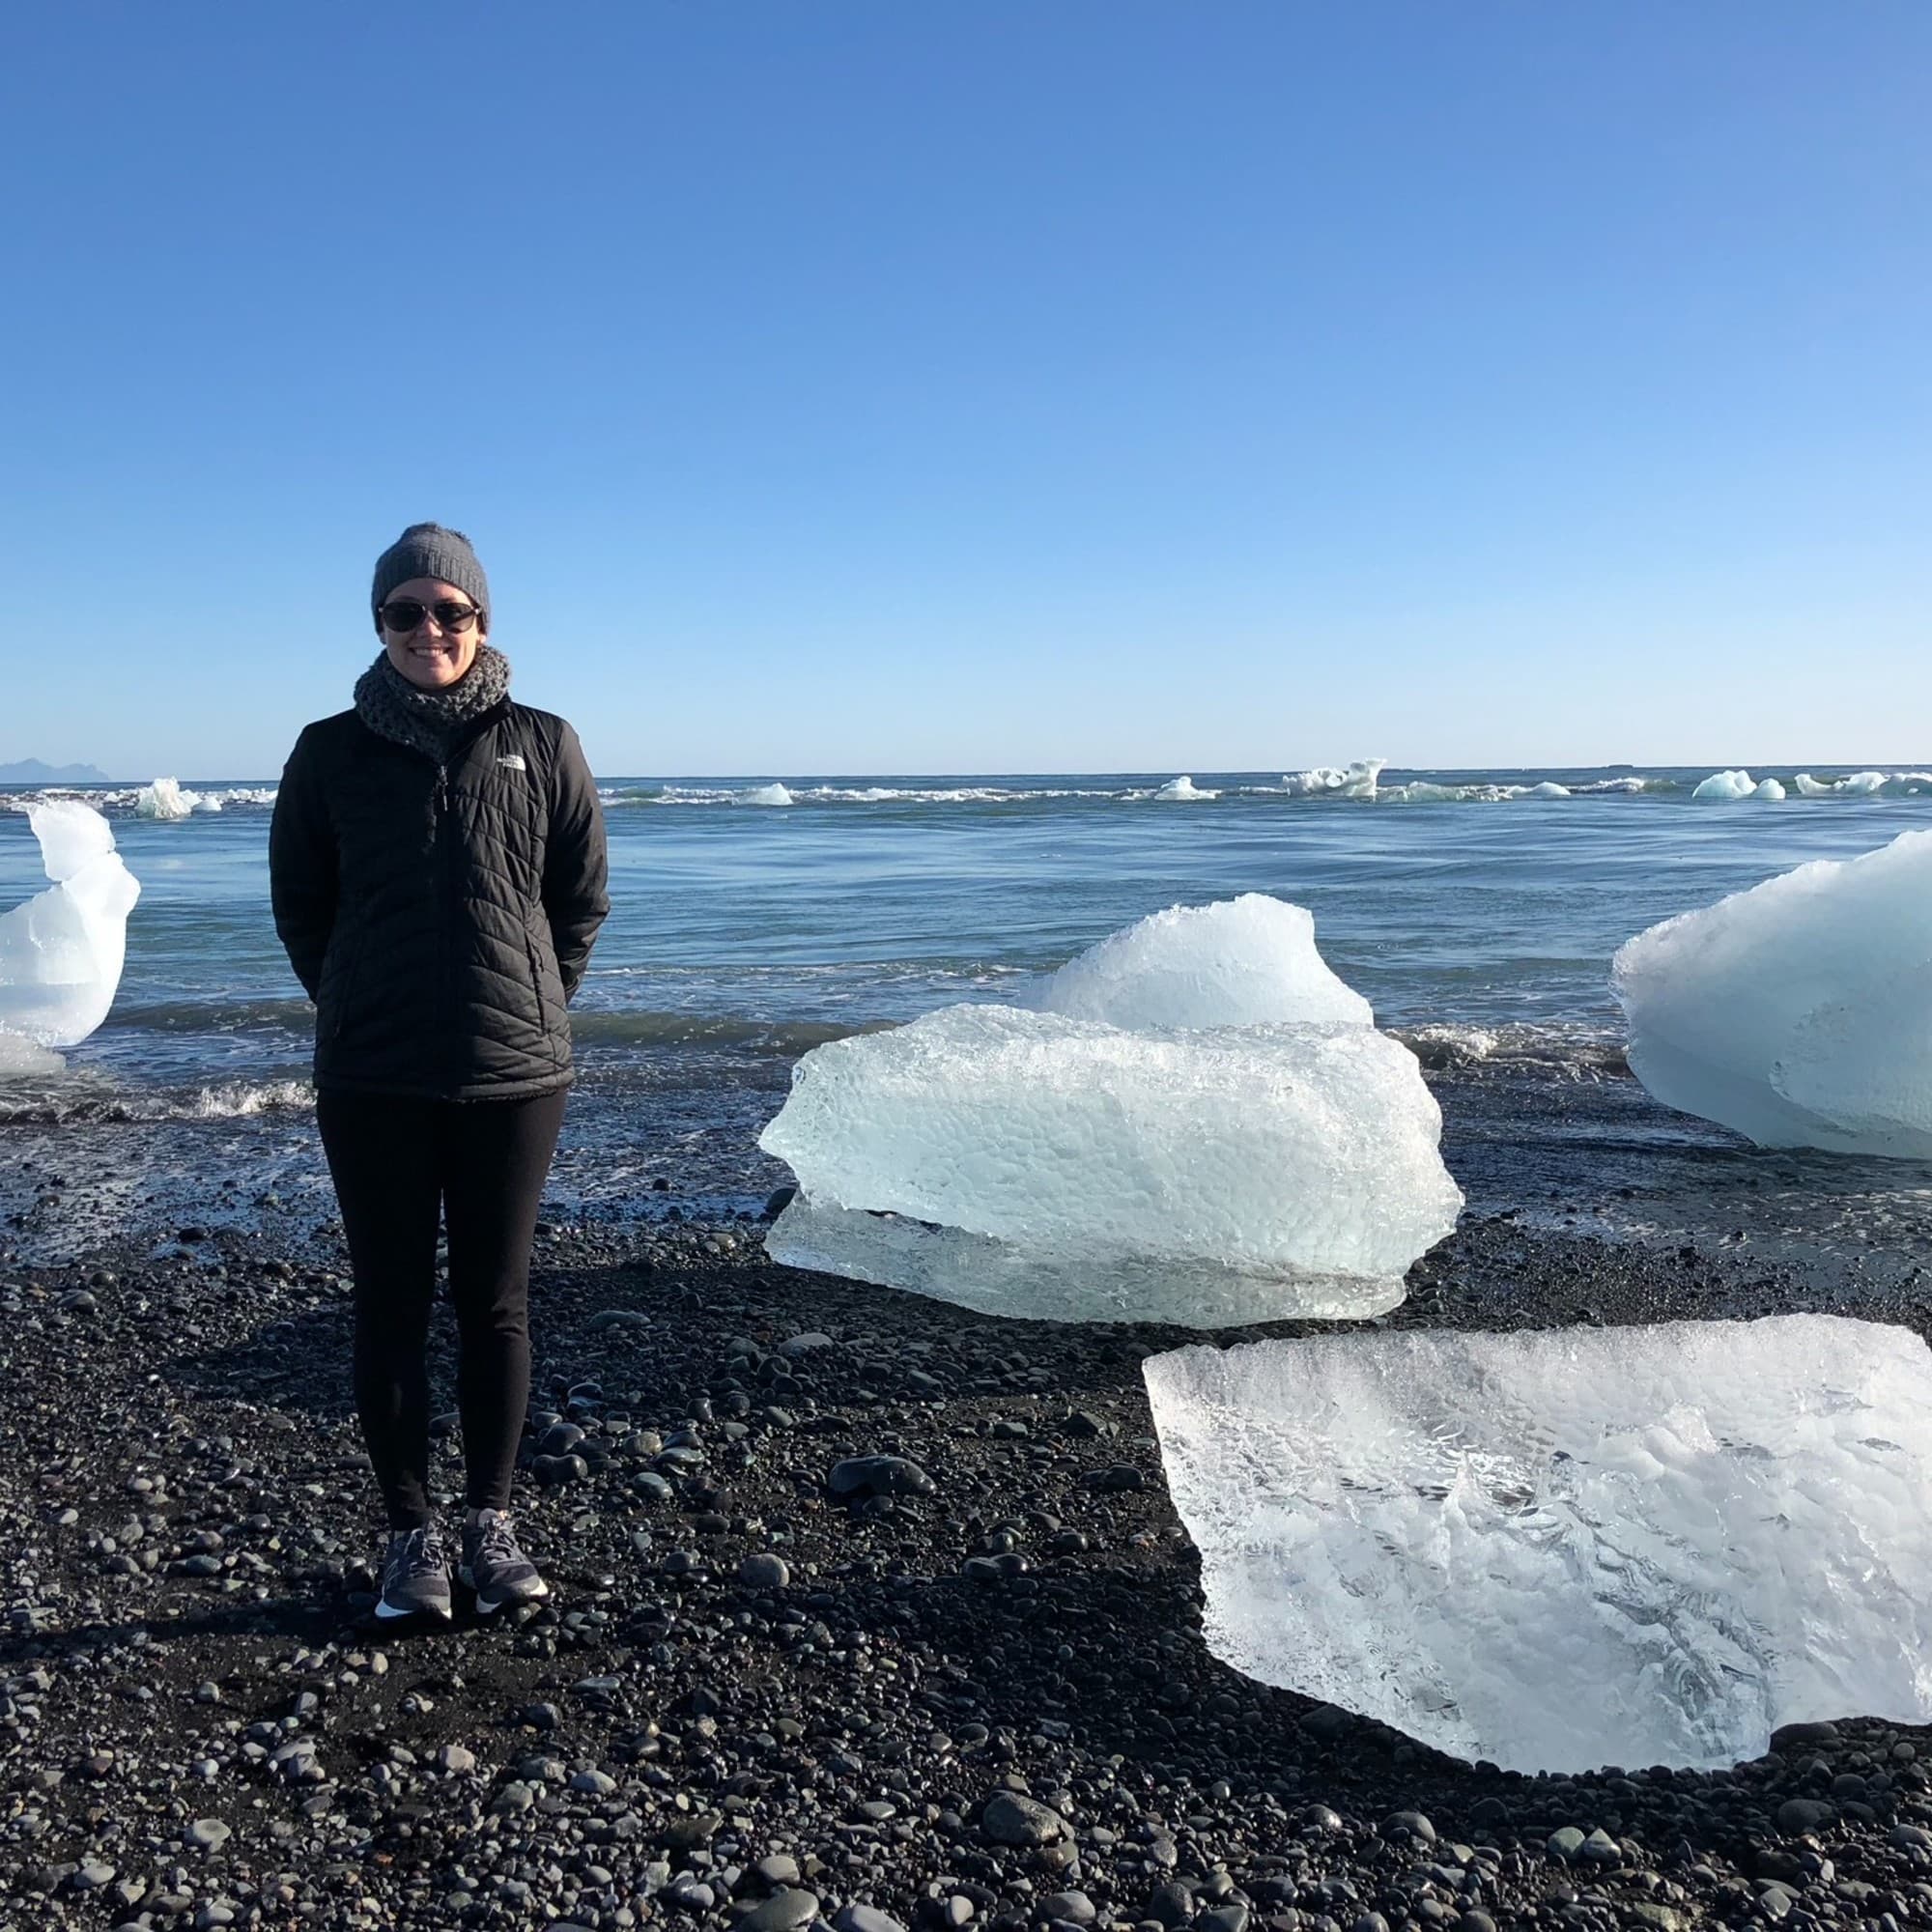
771 794
166 798
1862 784
1356 781
1183 788
1549 788
60 952
1077 1171
1559 1550
1798 1012
1741 785
1245 961
1726 786
1806 786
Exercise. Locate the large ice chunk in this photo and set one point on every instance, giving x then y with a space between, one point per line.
1077 1171
1247 961
167 798
60 952
1183 788
1559 1550
1798 1012
1356 781
1739 784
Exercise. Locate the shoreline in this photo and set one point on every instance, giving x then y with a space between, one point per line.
671 1721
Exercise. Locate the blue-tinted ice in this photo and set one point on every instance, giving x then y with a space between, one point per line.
1564 1549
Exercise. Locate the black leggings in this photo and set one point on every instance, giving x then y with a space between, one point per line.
484 1162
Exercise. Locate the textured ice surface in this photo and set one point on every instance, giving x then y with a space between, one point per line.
1741 785
1726 786
165 798
1074 1169
1559 1550
1799 1012
1246 962
1183 788
62 950
1356 781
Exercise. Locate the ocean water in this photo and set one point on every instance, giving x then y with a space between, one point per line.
752 918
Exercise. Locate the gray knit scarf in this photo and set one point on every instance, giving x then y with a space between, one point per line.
430 720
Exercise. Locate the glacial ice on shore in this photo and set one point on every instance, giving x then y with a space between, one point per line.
1076 1171
1799 1012
1563 1549
62 950
1246 962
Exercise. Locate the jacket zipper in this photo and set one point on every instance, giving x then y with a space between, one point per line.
445 846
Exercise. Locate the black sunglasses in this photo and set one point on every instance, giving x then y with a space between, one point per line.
404 615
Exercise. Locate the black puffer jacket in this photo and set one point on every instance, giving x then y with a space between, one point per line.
440 917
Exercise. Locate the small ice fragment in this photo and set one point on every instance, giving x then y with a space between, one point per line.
1183 788
1806 786
60 952
165 798
1074 1169
1768 788
1245 961
1864 784
1798 1012
1564 1549
1726 786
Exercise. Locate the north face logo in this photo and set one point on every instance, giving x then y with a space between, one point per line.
513 761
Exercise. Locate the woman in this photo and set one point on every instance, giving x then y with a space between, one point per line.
437 872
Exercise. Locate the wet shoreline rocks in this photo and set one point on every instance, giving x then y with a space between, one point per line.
761 1698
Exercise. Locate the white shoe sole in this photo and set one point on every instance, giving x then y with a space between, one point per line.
488 1607
441 1611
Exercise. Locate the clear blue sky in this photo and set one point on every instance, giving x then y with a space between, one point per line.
872 386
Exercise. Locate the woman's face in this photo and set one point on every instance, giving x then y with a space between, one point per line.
430 657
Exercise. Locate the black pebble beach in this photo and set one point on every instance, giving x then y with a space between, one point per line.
868 1613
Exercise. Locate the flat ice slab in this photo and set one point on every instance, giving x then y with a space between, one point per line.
1074 1170
1560 1551
62 950
1798 1012
1064 1280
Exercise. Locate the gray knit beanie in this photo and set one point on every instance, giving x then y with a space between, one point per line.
428 550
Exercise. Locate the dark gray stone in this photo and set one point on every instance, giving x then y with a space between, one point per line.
1009 1819
879 1476
786 1910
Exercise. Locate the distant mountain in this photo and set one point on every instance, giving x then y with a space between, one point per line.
31 772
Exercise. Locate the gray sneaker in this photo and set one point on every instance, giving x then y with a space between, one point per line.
495 1567
415 1576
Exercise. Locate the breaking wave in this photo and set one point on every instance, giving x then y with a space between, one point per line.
88 1098
1568 1053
